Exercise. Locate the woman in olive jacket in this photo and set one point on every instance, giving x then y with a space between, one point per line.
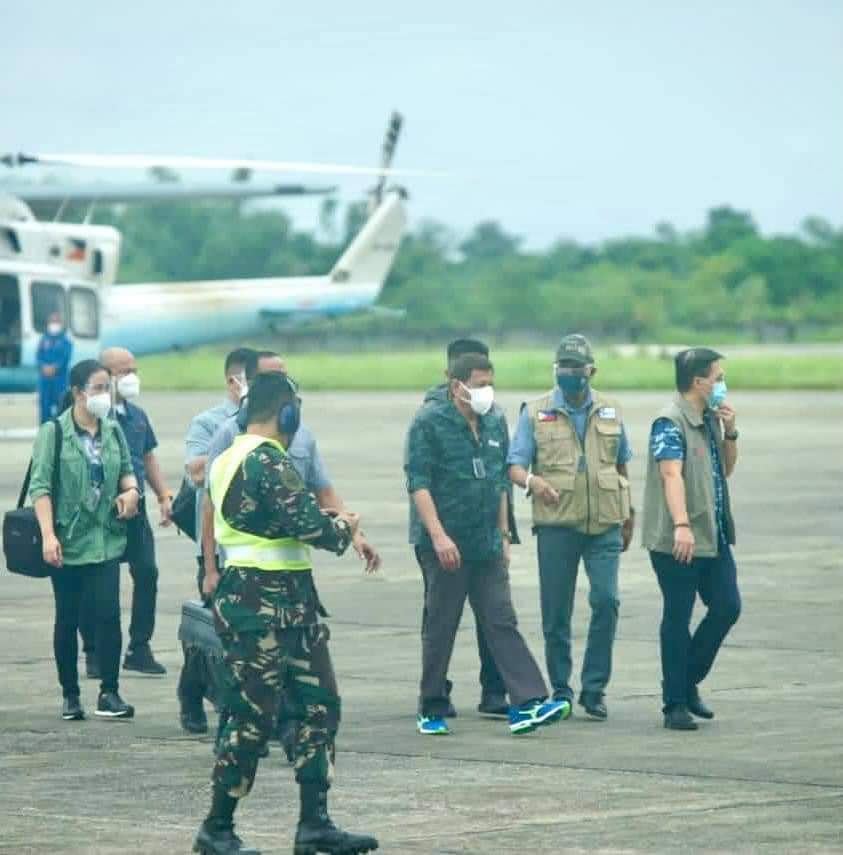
96 493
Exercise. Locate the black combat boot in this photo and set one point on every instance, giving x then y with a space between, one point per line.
317 833
216 835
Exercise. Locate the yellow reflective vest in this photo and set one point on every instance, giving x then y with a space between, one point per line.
240 548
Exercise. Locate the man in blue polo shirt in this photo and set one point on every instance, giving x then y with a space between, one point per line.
140 547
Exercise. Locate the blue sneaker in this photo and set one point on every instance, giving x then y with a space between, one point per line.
432 725
527 717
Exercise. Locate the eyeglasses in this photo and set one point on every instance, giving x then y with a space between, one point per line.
573 370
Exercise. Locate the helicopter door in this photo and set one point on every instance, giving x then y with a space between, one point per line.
10 321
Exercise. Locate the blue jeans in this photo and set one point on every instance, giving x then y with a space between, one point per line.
560 550
687 659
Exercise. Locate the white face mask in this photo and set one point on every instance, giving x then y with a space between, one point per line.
244 386
480 400
128 386
54 329
98 405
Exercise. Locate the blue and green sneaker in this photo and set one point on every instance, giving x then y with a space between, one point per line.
527 717
432 725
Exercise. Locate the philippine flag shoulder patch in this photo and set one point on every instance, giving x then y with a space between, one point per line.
547 416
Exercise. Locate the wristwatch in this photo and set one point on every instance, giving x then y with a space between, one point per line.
506 535
731 437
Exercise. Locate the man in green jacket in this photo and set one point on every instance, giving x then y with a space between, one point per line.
689 530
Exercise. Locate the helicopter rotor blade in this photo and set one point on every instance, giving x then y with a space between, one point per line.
143 161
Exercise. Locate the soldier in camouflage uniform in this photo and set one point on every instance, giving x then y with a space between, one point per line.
268 615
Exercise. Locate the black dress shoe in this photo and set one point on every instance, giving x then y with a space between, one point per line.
211 842
493 705
194 721
71 709
696 706
677 717
594 704
92 668
451 712
142 661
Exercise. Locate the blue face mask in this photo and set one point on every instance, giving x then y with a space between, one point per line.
717 395
572 385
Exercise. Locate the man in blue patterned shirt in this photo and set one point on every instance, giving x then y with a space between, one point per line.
689 529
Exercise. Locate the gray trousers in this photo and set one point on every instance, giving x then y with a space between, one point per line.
486 584
559 552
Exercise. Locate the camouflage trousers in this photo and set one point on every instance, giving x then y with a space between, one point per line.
274 646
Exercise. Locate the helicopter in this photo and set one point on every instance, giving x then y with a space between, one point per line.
71 268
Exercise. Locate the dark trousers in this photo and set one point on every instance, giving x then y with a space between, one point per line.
486 584
560 550
140 555
491 682
687 659
99 586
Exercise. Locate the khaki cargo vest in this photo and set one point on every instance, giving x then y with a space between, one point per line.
593 498
657 526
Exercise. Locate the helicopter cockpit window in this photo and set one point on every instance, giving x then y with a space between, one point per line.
47 297
84 314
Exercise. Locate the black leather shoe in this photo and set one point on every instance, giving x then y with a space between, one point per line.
594 704
451 712
92 668
493 705
209 842
71 709
193 721
324 836
696 706
142 661
677 717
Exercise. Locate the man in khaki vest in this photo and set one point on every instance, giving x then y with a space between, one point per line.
570 453
689 530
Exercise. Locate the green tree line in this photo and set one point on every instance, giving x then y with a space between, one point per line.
724 276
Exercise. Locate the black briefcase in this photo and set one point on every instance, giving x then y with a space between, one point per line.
22 544
197 629
184 509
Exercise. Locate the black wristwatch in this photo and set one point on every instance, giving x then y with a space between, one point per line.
731 437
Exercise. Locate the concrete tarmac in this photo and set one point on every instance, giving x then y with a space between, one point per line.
765 776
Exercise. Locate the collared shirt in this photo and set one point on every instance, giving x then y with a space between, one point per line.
303 453
198 443
522 452
667 443
92 448
139 436
465 475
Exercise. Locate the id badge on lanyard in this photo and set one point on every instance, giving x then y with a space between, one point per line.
479 467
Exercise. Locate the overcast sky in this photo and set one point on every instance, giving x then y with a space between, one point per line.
558 118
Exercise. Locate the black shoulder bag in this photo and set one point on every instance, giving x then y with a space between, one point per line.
22 543
184 509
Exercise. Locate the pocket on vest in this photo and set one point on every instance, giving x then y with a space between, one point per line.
610 438
613 497
555 449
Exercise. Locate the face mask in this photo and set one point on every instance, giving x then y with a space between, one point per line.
54 329
480 400
572 385
717 395
128 386
98 405
244 386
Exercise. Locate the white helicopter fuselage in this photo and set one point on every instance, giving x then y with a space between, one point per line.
158 317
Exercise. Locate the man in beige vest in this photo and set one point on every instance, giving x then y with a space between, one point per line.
570 453
689 530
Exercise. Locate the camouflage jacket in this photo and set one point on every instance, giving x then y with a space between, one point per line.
267 498
441 455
